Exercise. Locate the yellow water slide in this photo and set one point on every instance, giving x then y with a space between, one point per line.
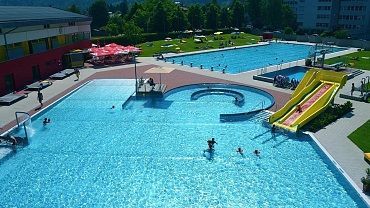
311 97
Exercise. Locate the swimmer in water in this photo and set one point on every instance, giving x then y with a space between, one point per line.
240 151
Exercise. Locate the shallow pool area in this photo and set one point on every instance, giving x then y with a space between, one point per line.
297 73
150 154
239 60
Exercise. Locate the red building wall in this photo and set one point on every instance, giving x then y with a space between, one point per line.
48 63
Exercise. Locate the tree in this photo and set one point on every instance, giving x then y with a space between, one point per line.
123 7
225 17
132 32
99 12
196 17
159 19
341 34
115 24
133 10
254 11
288 31
212 17
73 8
178 19
237 14
289 18
275 13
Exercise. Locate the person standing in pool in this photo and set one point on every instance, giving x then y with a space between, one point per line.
240 151
211 143
273 130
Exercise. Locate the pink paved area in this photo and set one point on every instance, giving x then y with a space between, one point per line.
175 79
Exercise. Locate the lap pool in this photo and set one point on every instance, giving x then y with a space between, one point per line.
150 154
249 58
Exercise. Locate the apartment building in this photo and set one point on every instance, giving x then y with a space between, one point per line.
351 15
33 41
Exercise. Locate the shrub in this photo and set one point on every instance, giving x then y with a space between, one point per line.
308 62
331 114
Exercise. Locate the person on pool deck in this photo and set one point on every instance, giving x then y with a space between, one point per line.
151 82
240 151
256 152
299 108
211 143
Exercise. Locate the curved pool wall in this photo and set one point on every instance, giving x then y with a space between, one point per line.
264 102
254 102
296 72
150 154
247 58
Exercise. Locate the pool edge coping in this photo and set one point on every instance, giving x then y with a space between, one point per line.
362 196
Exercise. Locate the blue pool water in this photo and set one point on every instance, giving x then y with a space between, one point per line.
296 73
149 154
249 58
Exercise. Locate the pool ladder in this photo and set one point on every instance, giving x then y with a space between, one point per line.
24 122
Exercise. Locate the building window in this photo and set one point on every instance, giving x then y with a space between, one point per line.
71 23
46 26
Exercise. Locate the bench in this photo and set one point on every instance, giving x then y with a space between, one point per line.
337 65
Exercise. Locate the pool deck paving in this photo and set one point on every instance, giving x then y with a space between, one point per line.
333 138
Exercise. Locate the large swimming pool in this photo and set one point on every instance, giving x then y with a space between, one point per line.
150 154
249 58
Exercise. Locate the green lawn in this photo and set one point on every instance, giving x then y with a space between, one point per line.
361 137
359 60
188 44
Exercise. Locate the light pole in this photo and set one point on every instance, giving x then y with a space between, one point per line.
135 74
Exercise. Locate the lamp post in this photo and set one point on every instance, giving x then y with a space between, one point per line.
135 74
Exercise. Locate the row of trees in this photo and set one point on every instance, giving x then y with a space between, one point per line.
162 16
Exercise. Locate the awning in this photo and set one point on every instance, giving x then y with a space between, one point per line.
159 70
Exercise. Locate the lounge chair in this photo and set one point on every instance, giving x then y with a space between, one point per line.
39 85
63 74
12 98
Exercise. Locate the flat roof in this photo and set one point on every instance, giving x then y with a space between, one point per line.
18 16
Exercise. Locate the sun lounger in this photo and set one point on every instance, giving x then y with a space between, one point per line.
367 157
63 74
11 98
39 85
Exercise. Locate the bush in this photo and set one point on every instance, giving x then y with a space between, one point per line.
308 62
331 114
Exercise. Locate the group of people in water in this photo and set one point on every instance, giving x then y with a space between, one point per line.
211 147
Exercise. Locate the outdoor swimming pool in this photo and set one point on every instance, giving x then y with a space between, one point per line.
149 154
249 58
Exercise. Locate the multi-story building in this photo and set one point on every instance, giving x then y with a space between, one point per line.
33 41
351 15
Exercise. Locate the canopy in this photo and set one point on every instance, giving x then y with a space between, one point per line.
113 49
159 70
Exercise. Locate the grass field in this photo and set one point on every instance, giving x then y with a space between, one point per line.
188 44
358 60
361 137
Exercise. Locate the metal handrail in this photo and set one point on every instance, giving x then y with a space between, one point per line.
24 125
262 103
